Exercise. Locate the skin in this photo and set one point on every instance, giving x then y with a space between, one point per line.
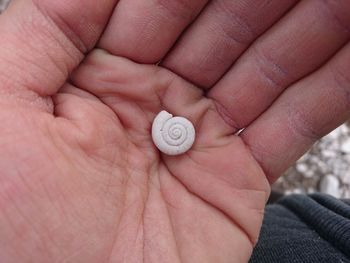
81 82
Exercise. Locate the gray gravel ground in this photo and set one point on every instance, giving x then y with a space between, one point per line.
325 168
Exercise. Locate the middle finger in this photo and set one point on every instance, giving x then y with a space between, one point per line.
220 35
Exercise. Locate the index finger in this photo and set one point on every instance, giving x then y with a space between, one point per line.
145 30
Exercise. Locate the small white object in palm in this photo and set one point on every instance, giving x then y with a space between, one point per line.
172 135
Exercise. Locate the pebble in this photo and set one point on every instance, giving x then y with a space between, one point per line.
345 146
330 185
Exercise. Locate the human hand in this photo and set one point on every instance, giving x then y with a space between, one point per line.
81 180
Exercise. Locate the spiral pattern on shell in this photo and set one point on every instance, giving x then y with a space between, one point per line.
172 135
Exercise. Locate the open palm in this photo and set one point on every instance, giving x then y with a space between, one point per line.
81 180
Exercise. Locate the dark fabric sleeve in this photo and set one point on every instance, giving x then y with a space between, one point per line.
301 228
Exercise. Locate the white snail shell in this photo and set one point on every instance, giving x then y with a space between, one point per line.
172 135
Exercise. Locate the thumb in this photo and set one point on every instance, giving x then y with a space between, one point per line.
42 41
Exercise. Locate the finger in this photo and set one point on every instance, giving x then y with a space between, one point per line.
144 31
309 35
220 35
307 111
42 41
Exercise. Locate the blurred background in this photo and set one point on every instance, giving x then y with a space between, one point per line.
325 168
